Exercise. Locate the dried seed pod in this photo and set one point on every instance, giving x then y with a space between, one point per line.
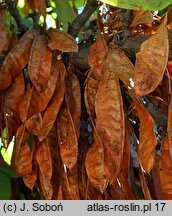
39 65
62 41
16 59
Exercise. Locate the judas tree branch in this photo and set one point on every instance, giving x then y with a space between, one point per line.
130 46
16 15
82 18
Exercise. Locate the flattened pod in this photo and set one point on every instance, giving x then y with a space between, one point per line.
62 41
30 179
12 99
170 126
148 141
23 161
98 51
44 160
94 163
36 101
151 61
67 137
166 171
22 158
55 103
39 66
90 94
73 98
110 123
46 186
16 59
120 65
2 30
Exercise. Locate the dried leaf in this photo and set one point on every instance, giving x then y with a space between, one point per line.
35 101
39 66
110 121
148 142
53 108
2 29
165 168
94 163
62 41
73 98
149 70
16 59
40 5
142 17
44 160
67 137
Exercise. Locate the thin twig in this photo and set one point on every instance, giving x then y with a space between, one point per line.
16 15
82 18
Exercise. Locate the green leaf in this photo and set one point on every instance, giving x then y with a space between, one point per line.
139 4
9 172
78 3
5 187
65 12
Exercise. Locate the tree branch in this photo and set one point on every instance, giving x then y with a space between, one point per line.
16 15
82 18
130 46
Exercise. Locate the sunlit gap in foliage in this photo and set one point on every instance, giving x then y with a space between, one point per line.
80 9
21 3
50 22
7 153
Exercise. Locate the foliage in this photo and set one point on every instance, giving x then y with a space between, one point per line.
78 134
139 5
